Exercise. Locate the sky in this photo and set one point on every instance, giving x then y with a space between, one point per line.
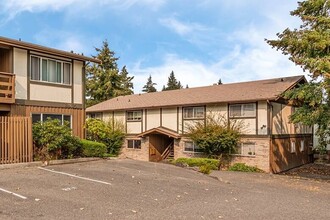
202 41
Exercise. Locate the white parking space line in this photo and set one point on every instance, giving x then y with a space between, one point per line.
75 176
12 193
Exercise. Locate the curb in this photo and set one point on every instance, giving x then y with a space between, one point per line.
52 162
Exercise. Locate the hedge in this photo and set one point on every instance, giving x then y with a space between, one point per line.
93 149
198 162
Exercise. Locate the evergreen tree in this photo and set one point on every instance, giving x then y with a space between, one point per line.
103 80
172 83
126 87
309 47
149 86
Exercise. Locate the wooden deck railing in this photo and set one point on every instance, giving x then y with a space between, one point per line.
15 140
7 88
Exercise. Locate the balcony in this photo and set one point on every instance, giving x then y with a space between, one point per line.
7 88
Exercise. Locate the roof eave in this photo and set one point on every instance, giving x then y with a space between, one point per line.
39 48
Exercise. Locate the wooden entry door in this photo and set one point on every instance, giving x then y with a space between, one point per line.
154 154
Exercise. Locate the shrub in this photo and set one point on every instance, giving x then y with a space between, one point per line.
216 135
213 164
109 133
206 169
51 139
242 167
93 149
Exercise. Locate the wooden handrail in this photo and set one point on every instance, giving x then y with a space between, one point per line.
5 73
7 87
167 151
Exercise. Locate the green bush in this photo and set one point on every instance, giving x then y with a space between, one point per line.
215 136
213 164
242 167
51 139
93 149
206 169
109 133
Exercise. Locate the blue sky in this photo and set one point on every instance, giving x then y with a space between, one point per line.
200 40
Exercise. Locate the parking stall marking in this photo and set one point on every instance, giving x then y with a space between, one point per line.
12 193
75 176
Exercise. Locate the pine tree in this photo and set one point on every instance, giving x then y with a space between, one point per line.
126 87
309 47
149 86
103 80
172 83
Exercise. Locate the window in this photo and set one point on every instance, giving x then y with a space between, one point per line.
242 110
50 70
193 112
246 149
134 116
134 144
302 145
43 117
95 115
293 147
190 146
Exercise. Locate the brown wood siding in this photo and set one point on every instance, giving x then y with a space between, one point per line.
77 115
5 60
281 157
15 140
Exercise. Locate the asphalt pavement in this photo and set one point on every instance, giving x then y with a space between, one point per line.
128 189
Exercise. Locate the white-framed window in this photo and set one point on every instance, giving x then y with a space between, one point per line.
242 110
36 117
302 145
134 115
193 112
190 146
293 147
50 70
246 149
134 144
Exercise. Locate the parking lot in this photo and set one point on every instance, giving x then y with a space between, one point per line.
127 189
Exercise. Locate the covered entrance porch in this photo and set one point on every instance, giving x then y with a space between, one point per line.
161 143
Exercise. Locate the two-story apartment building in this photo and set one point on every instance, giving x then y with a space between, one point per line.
42 82
156 123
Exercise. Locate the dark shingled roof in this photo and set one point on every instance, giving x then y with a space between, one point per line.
268 89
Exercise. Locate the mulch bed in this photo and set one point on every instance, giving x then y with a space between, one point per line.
312 171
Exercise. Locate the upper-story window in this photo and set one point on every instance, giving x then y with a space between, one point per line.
193 112
242 110
50 70
134 116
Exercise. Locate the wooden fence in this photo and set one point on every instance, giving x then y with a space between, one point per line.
15 140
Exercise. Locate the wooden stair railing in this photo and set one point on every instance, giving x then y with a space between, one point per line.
7 88
168 151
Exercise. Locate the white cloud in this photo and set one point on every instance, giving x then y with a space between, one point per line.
182 28
11 8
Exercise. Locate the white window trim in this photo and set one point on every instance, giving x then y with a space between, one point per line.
246 155
293 147
134 119
302 146
242 110
127 140
193 109
40 70
193 151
